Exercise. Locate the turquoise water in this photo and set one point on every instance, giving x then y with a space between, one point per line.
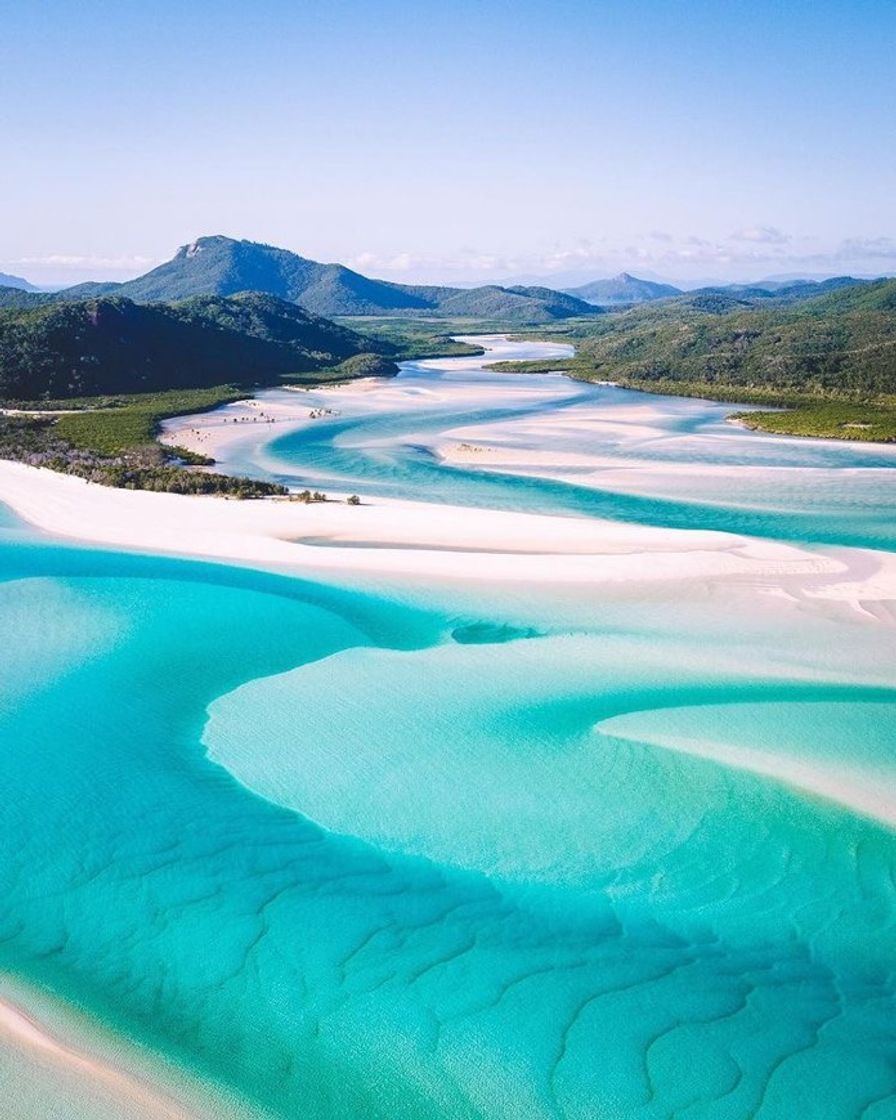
409 853
800 490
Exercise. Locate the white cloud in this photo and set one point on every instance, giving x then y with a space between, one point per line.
869 248
751 253
761 235
63 260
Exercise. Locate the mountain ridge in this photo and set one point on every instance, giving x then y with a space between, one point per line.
9 281
223 266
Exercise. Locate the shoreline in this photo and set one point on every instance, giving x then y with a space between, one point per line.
24 1032
117 1075
422 542
391 536
857 790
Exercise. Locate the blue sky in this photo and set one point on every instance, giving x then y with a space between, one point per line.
452 141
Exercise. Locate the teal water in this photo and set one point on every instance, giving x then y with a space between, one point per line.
400 853
799 490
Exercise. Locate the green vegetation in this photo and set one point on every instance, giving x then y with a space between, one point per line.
837 343
830 358
87 357
870 421
417 339
38 442
132 422
499 305
538 365
114 444
20 299
365 365
111 345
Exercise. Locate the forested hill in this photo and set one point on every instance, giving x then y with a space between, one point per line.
113 345
839 343
222 266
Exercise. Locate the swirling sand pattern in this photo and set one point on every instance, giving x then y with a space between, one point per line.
729 952
545 853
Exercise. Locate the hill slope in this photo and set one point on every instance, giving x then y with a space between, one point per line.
841 342
20 298
518 304
113 345
222 266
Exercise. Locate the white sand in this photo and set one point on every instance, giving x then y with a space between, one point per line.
867 793
135 1097
401 537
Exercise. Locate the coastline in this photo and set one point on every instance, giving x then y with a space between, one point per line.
856 788
423 541
390 536
104 1074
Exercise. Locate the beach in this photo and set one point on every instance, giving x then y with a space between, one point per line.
64 1066
489 772
390 536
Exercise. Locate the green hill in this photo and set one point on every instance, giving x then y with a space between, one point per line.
497 304
113 345
842 342
222 266
19 298
829 359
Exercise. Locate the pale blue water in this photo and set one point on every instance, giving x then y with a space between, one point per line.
800 490
355 854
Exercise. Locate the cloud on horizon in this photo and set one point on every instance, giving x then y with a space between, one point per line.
72 268
761 235
749 253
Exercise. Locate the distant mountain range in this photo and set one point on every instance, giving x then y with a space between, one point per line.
623 289
7 281
781 290
222 266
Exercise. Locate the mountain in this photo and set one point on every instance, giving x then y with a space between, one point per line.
222 266
114 345
7 281
622 289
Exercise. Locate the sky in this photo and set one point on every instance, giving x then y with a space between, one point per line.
461 141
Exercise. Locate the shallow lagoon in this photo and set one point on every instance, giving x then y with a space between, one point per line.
667 461
306 842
